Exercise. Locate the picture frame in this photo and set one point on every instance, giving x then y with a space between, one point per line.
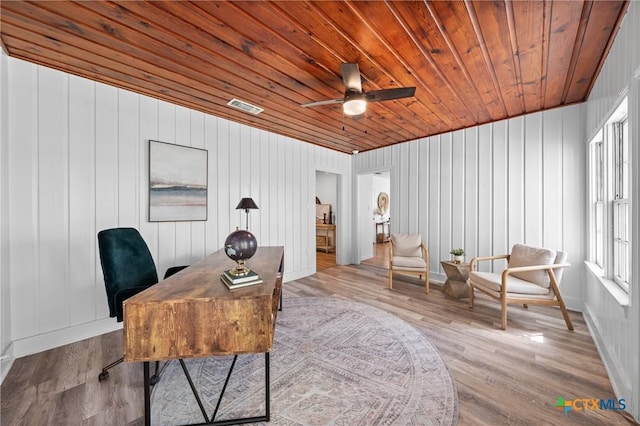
178 182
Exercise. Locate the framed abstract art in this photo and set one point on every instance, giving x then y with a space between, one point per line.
177 182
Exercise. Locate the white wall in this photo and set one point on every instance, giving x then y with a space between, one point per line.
74 161
614 325
489 187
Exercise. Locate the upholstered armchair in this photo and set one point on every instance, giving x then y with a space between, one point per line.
532 277
408 255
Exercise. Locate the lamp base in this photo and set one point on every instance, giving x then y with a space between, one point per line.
240 270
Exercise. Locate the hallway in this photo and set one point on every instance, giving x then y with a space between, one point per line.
379 259
380 255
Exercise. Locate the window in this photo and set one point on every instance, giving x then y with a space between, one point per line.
597 197
610 218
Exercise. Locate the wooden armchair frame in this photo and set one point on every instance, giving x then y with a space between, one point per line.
506 298
392 269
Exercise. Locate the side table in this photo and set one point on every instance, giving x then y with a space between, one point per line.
456 284
383 231
326 242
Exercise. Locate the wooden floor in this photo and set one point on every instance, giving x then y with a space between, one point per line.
502 377
325 260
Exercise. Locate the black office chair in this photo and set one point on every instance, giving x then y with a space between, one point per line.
128 269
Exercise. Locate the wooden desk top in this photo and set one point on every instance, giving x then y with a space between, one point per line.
193 313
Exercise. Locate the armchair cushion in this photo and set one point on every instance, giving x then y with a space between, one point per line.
522 255
406 245
409 262
493 282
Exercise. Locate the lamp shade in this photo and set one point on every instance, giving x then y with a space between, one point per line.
247 204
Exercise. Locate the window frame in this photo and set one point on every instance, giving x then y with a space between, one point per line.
609 198
597 191
620 213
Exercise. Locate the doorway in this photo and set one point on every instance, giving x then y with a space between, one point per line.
374 217
326 213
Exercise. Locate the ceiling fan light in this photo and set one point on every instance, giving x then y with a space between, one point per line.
354 105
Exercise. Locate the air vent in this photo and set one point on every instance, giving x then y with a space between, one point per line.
243 106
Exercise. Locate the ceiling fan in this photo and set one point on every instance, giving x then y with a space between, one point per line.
354 102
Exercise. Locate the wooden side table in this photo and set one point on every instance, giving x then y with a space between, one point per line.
326 242
456 284
383 231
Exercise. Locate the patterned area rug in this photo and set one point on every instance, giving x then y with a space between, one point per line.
334 362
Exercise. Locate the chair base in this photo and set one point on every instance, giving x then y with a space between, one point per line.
104 374
559 302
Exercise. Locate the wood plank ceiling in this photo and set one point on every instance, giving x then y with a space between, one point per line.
471 62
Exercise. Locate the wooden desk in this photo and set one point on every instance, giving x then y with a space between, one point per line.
193 314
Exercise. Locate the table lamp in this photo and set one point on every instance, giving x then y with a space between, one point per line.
247 204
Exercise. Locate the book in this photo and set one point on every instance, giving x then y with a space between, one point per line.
233 286
239 279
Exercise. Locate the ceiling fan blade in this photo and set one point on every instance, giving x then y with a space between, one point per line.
351 77
318 103
353 90
388 94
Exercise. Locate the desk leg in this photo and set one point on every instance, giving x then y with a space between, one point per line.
212 421
267 385
147 395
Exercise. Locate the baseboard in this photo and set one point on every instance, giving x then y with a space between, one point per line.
6 361
616 377
436 277
573 304
292 276
53 339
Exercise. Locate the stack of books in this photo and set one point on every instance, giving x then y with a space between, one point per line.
232 281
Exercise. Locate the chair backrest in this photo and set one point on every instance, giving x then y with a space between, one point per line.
406 245
523 255
561 257
126 262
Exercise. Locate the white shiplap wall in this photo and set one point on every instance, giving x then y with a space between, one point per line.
75 161
489 187
616 328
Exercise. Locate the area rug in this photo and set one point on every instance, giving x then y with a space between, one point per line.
334 362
